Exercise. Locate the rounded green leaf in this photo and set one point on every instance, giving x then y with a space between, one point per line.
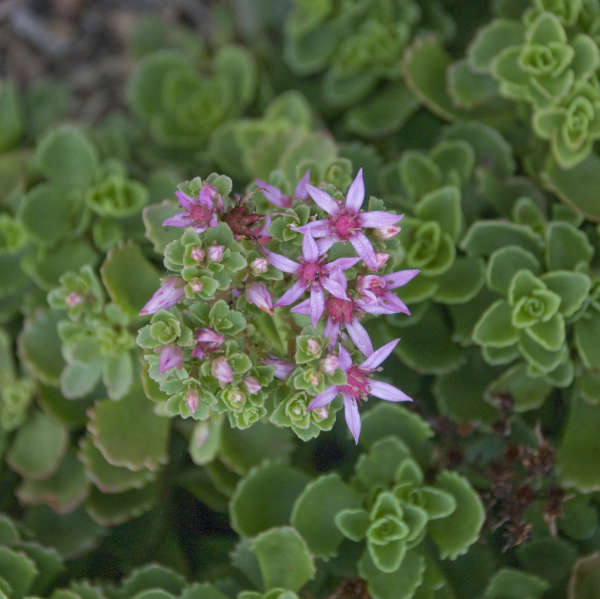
128 433
442 206
314 511
528 393
400 584
38 446
109 478
152 576
420 175
461 282
353 523
77 380
572 287
587 330
117 508
65 156
153 216
510 583
117 374
579 519
284 559
495 328
567 248
129 278
18 570
456 533
549 558
505 262
550 334
485 237
585 577
491 40
265 497
578 454
40 346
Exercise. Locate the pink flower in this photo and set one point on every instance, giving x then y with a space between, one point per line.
222 371
282 368
345 223
197 254
311 273
276 196
73 299
171 356
170 292
198 212
259 266
252 385
359 385
341 313
207 340
376 295
260 296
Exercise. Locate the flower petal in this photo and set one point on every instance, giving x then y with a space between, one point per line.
356 193
317 228
359 335
394 304
301 192
377 357
334 288
178 220
171 292
331 331
344 358
378 218
400 277
322 199
324 398
364 249
317 304
302 308
291 295
273 194
310 251
386 391
352 416
341 264
185 201
282 262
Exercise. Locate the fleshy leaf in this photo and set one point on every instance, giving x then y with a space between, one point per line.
38 447
443 207
128 433
580 435
461 282
495 328
528 393
453 535
550 558
265 496
314 511
579 519
491 40
585 577
152 576
378 467
284 558
485 237
129 292
572 287
113 509
510 583
353 523
18 570
505 262
587 330
567 248
67 157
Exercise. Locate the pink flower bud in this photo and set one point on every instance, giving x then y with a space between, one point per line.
73 299
314 378
282 368
387 232
252 385
222 371
170 292
259 266
171 356
197 254
260 296
192 400
321 413
313 346
207 340
330 364
380 259
196 286
215 253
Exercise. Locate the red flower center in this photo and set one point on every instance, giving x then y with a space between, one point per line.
200 214
310 272
345 224
357 383
339 310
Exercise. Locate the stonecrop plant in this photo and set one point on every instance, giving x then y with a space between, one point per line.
232 328
300 299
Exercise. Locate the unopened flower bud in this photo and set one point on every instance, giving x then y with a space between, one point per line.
197 254
171 292
192 400
387 232
321 413
380 259
222 371
330 364
236 397
252 385
196 286
73 299
282 368
171 356
314 378
215 253
313 346
259 266
260 296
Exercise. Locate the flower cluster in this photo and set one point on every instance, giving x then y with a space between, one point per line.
263 316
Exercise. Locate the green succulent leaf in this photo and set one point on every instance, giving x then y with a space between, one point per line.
495 327
585 577
510 583
491 40
505 262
